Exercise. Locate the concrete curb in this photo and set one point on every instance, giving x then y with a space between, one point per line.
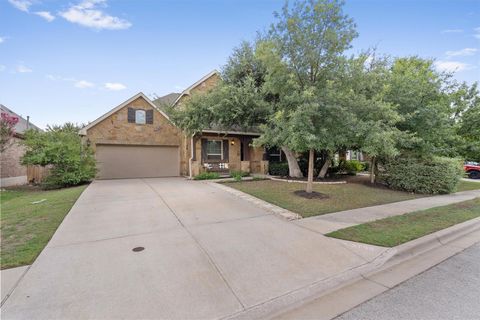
283 213
431 241
380 266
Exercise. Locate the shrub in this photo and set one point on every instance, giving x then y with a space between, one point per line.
433 176
350 166
366 165
207 176
238 175
278 169
61 148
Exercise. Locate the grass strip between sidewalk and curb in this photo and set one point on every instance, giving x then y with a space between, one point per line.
393 231
29 218
468 185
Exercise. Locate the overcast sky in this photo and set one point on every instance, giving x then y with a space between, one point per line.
74 60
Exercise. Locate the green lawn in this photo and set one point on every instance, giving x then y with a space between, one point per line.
393 231
341 196
468 185
25 227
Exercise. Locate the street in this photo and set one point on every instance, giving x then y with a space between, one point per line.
450 290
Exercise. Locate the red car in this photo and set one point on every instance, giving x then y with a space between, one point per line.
472 169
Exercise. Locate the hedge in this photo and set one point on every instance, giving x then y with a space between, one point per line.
431 176
207 176
278 169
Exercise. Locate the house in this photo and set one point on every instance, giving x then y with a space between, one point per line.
11 171
138 139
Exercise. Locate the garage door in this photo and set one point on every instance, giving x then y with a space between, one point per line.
123 161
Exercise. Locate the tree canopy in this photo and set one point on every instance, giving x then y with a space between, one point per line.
297 85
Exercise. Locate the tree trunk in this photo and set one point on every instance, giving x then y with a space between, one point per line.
293 168
311 159
372 170
325 167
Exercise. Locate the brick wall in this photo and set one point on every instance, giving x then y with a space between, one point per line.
10 160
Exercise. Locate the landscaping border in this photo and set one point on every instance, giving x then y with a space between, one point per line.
301 181
283 213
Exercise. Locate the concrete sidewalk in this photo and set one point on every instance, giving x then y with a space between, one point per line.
338 220
9 279
207 254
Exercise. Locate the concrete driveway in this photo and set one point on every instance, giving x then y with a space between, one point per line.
208 254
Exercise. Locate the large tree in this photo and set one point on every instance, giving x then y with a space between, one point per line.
423 99
466 102
373 131
241 100
311 38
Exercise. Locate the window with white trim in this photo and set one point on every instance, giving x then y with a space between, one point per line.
214 149
140 117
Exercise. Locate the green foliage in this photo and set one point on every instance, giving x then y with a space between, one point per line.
228 106
467 100
60 147
238 175
350 166
432 176
278 169
365 165
421 95
207 176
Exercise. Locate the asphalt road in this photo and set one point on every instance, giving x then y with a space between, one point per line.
450 290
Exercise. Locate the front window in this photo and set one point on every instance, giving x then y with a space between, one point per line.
274 155
214 149
140 117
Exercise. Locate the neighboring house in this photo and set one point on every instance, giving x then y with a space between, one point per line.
11 171
138 139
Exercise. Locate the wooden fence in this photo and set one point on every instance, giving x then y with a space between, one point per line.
36 174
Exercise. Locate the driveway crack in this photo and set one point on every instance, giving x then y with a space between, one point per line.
205 252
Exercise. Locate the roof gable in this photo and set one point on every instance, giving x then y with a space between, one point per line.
196 84
83 131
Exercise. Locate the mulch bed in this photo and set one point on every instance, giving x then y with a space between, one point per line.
313 195
315 179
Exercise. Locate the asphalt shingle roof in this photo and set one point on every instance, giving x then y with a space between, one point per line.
22 124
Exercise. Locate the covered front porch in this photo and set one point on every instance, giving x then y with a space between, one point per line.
227 152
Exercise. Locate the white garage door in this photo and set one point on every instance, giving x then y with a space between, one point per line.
123 161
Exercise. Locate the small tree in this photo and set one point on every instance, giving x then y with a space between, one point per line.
60 147
7 129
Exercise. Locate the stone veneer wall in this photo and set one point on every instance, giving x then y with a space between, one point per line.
117 130
256 164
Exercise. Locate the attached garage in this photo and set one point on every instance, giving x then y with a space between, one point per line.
134 161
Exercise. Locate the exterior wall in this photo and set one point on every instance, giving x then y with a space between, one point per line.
11 171
256 164
234 162
117 130
203 87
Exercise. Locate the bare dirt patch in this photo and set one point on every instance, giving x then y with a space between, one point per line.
312 195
